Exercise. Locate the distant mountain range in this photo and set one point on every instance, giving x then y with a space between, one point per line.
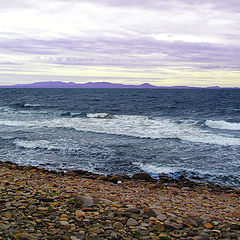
58 84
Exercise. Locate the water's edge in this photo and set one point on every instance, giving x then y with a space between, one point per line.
163 180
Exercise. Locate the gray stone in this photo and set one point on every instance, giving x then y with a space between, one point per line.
133 210
132 222
64 224
202 236
161 217
24 236
74 238
230 235
85 201
172 225
142 176
235 227
4 227
143 232
149 213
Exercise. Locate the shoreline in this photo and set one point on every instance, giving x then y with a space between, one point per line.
163 178
43 204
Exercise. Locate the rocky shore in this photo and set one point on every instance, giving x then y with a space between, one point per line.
41 204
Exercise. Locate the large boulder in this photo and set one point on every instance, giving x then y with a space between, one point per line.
142 176
85 201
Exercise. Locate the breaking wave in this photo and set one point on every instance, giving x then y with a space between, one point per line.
32 105
41 144
99 115
153 168
135 126
222 125
70 114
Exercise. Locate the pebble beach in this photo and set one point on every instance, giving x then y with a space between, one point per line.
41 204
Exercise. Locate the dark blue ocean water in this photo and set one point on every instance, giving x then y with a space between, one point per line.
194 132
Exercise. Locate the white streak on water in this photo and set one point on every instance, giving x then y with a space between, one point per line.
135 126
222 125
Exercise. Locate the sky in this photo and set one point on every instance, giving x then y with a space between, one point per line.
165 43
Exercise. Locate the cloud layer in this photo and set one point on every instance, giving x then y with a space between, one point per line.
180 41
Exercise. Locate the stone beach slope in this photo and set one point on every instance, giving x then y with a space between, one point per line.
41 204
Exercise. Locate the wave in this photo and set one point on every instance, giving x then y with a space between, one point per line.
7 137
5 109
22 124
41 144
25 105
32 105
153 168
99 115
70 114
222 125
135 126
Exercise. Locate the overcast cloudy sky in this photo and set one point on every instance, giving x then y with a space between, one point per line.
175 42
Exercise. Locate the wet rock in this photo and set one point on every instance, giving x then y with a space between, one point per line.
114 179
142 176
149 213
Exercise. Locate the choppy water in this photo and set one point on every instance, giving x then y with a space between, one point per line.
193 132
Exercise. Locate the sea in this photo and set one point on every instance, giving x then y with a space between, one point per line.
193 133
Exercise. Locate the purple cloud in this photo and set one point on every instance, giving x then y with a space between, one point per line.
10 63
128 53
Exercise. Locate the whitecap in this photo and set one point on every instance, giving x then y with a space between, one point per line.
135 126
154 169
222 125
43 144
32 105
98 115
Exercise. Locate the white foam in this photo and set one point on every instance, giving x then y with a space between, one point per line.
222 125
136 126
32 105
23 124
98 115
151 168
7 137
43 144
